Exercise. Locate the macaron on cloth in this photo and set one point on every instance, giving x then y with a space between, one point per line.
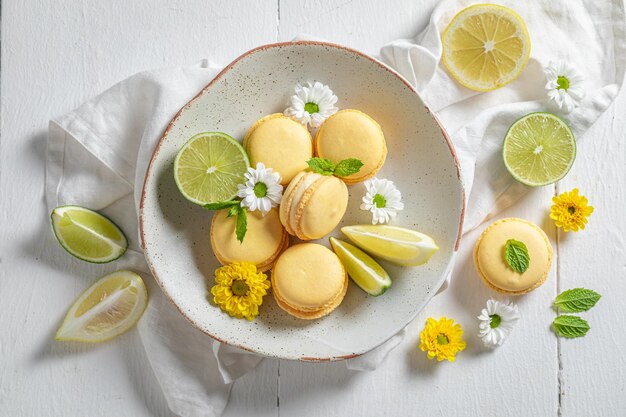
489 256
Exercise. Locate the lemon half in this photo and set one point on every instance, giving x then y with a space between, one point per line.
485 46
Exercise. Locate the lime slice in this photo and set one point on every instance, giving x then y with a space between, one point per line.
105 310
364 271
394 244
539 149
485 46
88 235
209 166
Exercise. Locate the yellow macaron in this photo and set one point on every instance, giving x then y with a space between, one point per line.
309 281
280 143
494 270
313 205
265 239
352 134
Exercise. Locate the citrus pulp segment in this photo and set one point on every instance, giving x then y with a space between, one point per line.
108 308
364 271
394 244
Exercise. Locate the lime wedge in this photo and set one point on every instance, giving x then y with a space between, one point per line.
209 166
539 149
364 271
105 310
394 244
88 235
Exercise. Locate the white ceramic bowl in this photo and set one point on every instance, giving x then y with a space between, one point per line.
420 160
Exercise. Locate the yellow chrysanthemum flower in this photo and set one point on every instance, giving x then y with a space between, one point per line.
570 211
239 289
442 339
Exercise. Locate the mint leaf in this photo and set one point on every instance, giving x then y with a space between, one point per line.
516 255
321 165
242 224
576 300
570 326
221 205
234 210
348 167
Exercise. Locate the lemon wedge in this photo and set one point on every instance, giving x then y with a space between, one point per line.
364 271
105 310
485 46
394 244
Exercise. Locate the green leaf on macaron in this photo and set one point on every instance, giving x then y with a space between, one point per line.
242 224
516 255
348 167
321 166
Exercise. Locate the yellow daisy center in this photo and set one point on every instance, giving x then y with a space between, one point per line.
240 288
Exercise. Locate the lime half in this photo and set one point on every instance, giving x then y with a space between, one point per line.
88 235
209 166
364 271
105 310
539 149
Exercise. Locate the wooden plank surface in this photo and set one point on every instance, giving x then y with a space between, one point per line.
56 54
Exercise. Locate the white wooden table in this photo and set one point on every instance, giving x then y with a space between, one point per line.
58 53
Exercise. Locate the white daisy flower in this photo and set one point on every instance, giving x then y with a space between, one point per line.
497 320
383 199
564 85
262 189
312 104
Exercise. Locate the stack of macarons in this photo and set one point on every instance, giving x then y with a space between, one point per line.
308 279
313 205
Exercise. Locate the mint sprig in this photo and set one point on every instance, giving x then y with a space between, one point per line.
234 209
570 326
321 165
516 255
242 224
576 300
343 169
221 205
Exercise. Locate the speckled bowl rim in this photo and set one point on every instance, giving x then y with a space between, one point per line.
217 78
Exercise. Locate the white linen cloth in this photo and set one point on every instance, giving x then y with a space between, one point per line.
98 154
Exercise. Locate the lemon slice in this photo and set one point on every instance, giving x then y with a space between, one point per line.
364 271
485 46
88 235
105 310
209 166
394 244
539 149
